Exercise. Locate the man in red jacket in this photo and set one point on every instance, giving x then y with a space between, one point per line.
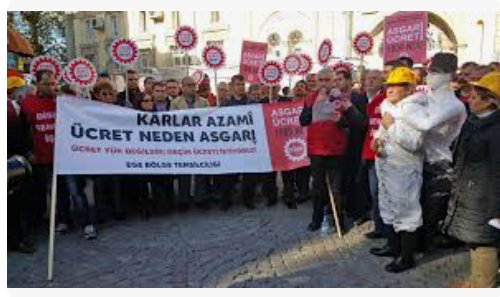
39 113
324 114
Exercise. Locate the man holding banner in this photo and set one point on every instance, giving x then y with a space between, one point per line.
190 100
249 179
39 112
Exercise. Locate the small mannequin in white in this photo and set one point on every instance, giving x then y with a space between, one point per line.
440 116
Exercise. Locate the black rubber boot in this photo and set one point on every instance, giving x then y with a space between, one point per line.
406 261
392 248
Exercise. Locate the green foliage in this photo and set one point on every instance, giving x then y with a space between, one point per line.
44 29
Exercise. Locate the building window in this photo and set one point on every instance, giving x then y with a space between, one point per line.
176 19
214 17
89 31
219 43
114 26
143 21
92 59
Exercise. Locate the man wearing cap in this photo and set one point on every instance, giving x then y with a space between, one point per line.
440 115
399 165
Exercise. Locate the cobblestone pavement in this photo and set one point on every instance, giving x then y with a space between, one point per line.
240 248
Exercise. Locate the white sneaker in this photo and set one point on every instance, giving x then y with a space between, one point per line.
62 228
90 232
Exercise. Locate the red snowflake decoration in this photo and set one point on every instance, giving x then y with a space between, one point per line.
271 73
325 52
341 66
124 51
82 72
292 64
46 63
307 64
363 43
214 56
186 38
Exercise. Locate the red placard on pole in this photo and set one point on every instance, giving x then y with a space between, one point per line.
124 51
325 52
271 73
292 64
186 38
253 56
214 57
405 34
363 43
82 72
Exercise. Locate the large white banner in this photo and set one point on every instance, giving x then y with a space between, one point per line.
97 138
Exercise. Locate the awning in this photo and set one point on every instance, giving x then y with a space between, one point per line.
16 43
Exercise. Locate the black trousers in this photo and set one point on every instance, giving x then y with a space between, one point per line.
402 244
36 204
269 186
323 168
17 215
227 183
436 193
297 179
108 196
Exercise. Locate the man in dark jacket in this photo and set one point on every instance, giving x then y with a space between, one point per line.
17 144
134 93
324 115
357 204
249 180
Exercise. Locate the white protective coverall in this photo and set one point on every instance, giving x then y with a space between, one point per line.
399 168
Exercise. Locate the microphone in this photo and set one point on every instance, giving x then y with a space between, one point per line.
334 95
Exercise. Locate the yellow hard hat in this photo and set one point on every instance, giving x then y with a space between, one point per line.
401 75
14 82
490 82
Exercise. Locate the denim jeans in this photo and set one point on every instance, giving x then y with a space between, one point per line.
77 206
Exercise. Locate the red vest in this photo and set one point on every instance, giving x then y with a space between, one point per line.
41 115
375 116
324 138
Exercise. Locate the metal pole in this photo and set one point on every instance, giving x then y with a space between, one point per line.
127 99
334 208
362 70
270 92
215 81
188 62
52 226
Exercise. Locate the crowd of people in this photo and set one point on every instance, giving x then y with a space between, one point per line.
414 149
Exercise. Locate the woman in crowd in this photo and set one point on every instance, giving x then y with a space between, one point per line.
476 199
108 188
147 182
